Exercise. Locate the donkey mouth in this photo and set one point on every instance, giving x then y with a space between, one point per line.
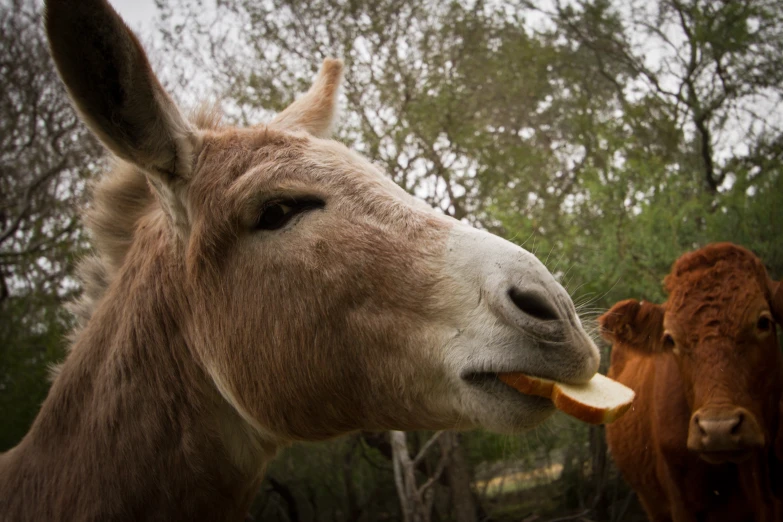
489 382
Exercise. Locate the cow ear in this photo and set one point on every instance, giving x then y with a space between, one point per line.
315 111
777 301
638 325
110 81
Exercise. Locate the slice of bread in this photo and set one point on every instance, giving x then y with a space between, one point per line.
601 400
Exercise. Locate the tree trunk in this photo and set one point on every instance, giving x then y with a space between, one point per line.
288 498
458 476
413 504
416 501
352 508
600 471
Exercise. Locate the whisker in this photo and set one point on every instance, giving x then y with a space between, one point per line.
577 288
568 283
528 238
566 272
558 262
549 254
598 298
587 299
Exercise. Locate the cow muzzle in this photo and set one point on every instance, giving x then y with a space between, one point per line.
724 435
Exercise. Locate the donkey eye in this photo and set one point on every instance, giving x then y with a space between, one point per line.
764 323
276 214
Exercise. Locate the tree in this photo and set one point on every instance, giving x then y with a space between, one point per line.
46 158
416 500
608 137
721 76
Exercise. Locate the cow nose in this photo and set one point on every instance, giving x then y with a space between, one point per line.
719 434
533 304
717 431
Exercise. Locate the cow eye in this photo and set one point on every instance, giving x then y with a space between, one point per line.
764 323
276 214
668 341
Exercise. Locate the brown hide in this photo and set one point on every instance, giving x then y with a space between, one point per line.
251 287
702 440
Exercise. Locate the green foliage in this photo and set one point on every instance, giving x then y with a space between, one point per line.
32 337
346 479
609 137
46 159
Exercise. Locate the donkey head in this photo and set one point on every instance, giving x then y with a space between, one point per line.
320 297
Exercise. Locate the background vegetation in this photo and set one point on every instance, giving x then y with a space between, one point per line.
608 136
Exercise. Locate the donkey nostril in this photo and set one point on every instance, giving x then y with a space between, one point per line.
533 304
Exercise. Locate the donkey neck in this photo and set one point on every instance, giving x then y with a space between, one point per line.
132 427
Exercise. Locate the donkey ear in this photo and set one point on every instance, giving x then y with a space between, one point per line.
636 325
111 83
315 111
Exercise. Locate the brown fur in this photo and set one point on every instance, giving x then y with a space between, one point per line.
134 401
206 341
134 419
719 361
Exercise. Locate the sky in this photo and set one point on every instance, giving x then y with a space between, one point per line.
141 14
136 13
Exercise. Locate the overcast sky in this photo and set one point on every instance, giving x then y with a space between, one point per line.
136 13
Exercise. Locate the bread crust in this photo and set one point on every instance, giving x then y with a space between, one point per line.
566 397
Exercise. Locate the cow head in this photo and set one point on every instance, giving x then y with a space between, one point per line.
719 325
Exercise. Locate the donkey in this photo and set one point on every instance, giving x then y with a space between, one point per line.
251 287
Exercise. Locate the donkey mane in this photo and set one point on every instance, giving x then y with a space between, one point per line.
121 198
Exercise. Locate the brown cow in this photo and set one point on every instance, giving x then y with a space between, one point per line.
702 441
